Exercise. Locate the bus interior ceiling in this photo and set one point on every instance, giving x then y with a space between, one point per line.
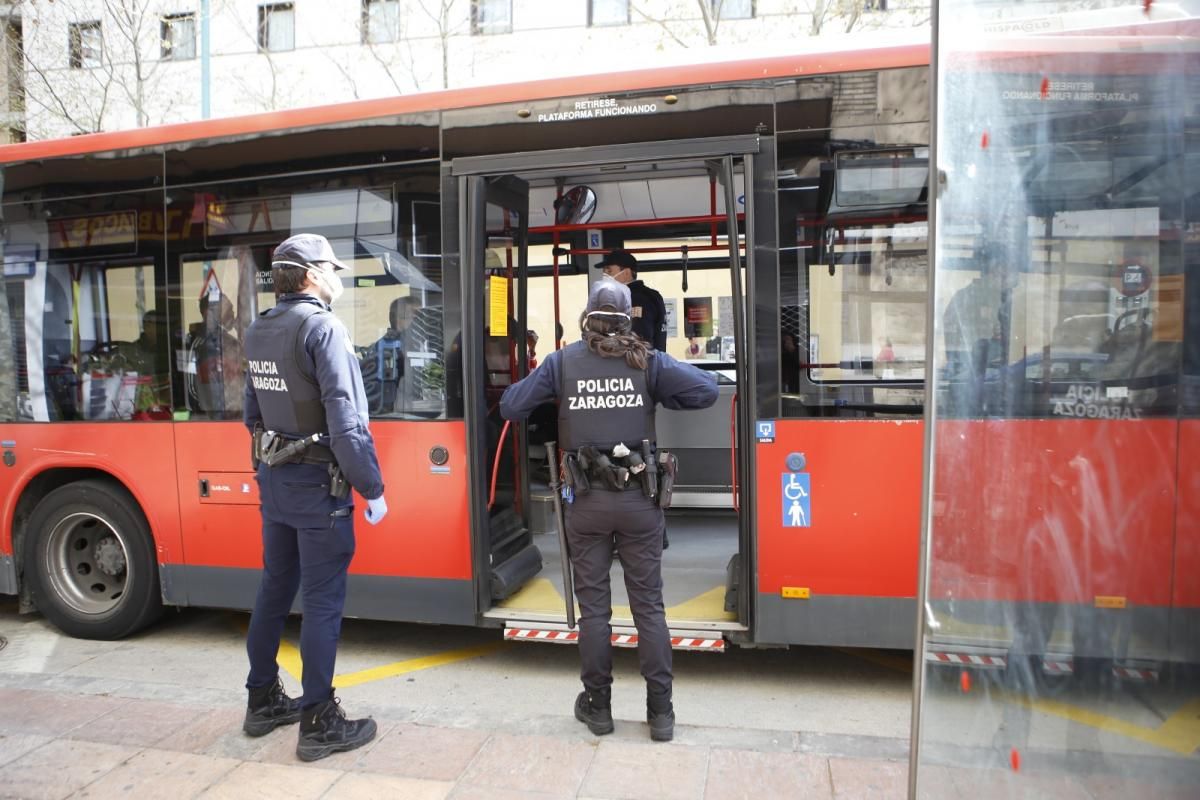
653 210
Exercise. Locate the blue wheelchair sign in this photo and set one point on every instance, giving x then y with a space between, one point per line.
797 500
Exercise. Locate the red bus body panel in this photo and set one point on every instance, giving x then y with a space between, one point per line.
140 455
426 533
1186 584
1054 511
866 508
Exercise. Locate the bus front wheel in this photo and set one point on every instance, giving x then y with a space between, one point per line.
90 563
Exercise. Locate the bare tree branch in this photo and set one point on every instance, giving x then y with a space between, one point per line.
664 24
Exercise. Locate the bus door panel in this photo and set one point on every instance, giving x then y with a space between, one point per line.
495 274
838 532
839 481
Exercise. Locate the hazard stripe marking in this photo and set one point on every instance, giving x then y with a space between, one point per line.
618 639
968 659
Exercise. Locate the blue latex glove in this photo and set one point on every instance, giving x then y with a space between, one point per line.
376 510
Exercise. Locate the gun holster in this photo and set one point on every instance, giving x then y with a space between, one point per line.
575 475
339 487
256 445
668 466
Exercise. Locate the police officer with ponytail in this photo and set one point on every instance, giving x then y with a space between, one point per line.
607 387
307 412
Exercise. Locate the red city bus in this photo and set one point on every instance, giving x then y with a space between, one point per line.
780 206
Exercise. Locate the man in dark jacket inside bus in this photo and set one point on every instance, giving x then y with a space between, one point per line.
307 412
607 387
648 309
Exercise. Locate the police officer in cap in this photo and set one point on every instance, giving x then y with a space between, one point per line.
649 311
607 387
307 411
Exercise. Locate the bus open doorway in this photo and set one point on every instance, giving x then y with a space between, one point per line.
530 263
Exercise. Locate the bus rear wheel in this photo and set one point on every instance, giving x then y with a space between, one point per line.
90 563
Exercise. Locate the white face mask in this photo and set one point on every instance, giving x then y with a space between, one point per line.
330 285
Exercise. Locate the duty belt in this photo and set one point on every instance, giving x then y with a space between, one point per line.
622 470
274 449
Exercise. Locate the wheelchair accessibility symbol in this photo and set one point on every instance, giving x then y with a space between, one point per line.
797 500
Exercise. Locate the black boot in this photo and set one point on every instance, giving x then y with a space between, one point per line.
660 714
268 708
324 730
593 708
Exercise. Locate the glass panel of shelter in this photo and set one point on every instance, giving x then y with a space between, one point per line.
1063 594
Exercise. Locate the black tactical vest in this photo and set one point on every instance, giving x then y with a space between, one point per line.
290 399
602 401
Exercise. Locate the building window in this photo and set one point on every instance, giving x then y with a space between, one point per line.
608 12
87 45
276 27
732 9
491 16
875 5
380 21
178 37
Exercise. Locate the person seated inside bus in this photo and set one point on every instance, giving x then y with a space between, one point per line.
789 364
152 361
216 374
403 371
382 362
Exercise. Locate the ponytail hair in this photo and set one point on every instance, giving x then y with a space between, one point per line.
610 335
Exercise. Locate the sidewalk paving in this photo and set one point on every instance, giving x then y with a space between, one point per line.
57 744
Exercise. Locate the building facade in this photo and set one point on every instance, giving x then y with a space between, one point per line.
87 65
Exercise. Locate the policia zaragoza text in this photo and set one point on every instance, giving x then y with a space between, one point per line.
595 393
258 372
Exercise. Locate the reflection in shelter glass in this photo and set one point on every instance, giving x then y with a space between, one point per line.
1062 620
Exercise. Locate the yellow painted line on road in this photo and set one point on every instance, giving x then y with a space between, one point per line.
289 659
1179 733
416 664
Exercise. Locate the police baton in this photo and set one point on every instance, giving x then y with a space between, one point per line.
556 487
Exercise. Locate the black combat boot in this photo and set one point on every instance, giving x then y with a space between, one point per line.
268 708
593 708
660 714
324 730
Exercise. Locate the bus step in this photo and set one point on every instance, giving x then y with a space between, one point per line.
703 641
512 574
507 535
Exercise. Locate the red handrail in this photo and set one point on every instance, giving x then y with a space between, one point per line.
496 465
733 450
636 223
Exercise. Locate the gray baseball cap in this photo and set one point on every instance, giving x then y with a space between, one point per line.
304 249
611 295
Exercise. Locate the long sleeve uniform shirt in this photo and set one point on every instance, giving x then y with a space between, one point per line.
672 383
329 356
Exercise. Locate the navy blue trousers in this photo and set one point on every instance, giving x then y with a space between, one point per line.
308 541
